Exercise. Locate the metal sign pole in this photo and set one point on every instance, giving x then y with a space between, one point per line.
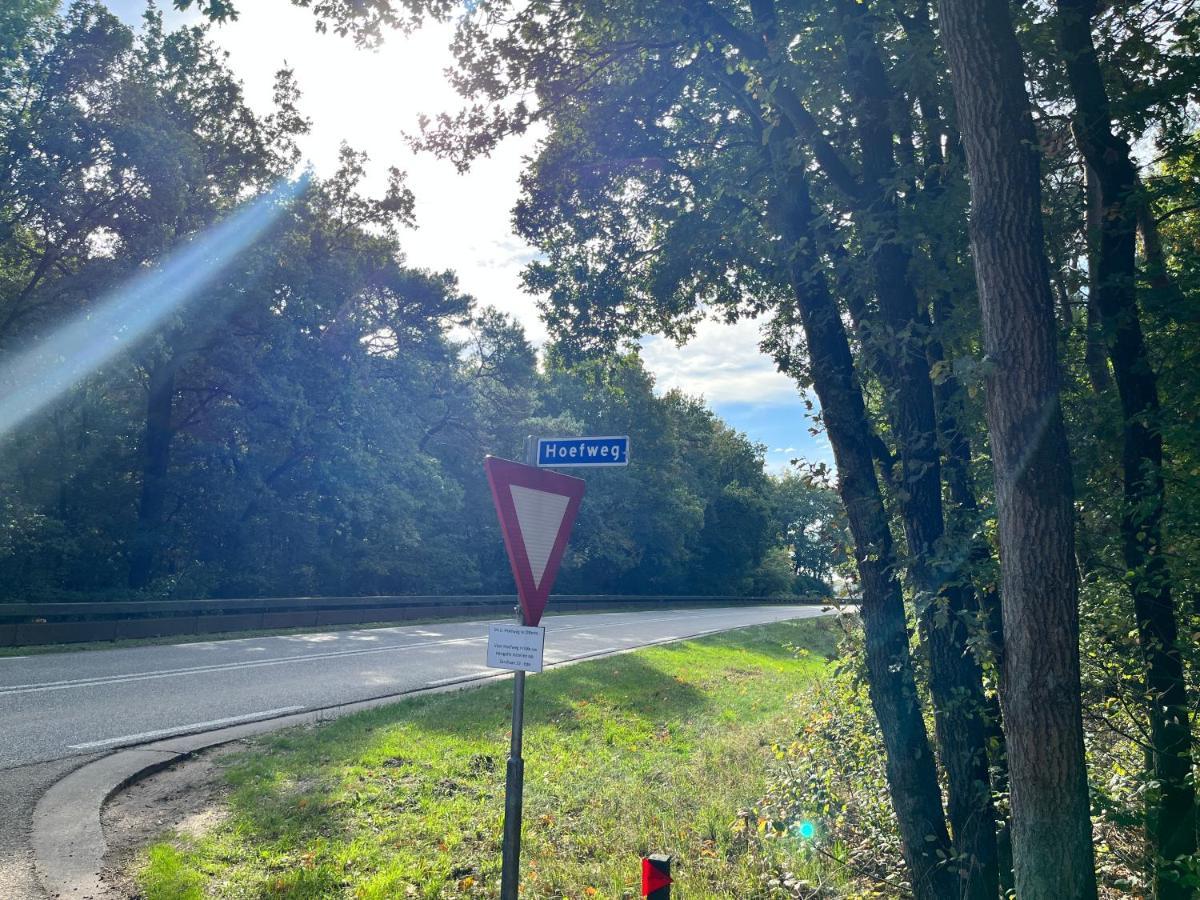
514 784
514 787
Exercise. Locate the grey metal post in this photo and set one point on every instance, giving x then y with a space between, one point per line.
514 785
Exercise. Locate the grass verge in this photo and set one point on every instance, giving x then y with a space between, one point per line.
663 750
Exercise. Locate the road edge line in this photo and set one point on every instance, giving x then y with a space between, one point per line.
67 834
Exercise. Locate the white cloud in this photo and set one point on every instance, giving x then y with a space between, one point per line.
722 363
371 99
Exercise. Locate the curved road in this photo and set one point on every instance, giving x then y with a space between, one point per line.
61 710
68 704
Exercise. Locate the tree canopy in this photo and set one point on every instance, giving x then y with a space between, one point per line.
969 231
314 422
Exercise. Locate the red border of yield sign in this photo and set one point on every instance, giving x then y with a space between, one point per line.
501 474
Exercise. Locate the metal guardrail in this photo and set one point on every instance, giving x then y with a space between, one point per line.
27 624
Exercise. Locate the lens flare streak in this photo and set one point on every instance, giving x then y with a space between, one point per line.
34 378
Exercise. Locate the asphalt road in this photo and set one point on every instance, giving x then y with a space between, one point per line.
74 704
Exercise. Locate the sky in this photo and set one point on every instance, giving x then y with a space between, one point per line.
371 98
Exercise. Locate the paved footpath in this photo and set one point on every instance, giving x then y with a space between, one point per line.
59 710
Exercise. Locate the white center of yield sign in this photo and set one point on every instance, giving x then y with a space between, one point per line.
539 513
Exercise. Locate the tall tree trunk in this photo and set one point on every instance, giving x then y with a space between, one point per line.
156 461
1157 274
955 677
911 773
963 518
962 528
1171 809
1093 348
1040 692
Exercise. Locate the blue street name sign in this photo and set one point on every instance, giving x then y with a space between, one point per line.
588 451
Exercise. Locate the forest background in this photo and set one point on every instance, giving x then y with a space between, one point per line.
314 422
971 231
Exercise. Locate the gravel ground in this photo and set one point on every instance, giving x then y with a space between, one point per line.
187 798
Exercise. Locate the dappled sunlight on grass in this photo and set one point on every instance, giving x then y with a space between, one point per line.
654 751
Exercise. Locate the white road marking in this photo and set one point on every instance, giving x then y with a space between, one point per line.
186 729
98 681
219 667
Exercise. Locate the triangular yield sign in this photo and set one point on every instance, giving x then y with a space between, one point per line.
536 509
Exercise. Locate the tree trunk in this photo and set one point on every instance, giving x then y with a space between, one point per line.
156 461
1157 275
1171 809
955 677
962 527
1040 693
911 773
963 520
1093 347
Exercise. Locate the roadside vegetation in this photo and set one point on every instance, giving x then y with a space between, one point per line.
668 749
752 756
970 234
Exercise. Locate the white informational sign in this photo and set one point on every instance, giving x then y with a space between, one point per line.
516 647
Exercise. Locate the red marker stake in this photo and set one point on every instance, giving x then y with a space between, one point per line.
656 877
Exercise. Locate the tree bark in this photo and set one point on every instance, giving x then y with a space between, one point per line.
911 773
943 603
1157 275
1040 691
963 518
962 527
1093 348
1171 809
156 461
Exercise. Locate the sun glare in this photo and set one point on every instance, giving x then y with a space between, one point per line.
34 378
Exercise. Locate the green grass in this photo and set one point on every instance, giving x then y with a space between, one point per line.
167 877
663 750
